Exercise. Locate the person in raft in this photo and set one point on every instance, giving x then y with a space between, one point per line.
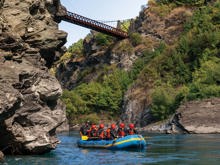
132 130
122 130
101 131
111 132
85 128
92 132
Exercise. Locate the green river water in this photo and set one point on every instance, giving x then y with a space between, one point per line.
161 150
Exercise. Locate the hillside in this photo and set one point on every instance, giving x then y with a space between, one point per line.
170 58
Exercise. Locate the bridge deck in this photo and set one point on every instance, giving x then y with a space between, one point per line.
94 25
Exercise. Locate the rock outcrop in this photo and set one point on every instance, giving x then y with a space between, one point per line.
159 26
192 117
201 116
30 109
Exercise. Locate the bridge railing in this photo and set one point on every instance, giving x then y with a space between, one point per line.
93 24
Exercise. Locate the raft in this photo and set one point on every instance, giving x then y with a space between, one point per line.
127 142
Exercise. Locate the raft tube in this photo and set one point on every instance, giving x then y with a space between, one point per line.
127 142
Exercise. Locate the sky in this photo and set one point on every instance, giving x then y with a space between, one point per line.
98 10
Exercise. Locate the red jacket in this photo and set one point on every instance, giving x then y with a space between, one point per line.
101 133
121 132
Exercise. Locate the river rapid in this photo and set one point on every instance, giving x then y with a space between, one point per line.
161 150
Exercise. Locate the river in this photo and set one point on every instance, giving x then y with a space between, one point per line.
161 150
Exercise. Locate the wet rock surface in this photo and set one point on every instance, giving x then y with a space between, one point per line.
30 109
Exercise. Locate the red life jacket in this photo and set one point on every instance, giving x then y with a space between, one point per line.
108 133
121 132
131 132
92 132
102 134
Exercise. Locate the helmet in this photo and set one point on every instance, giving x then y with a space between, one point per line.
93 126
122 125
113 126
131 126
101 125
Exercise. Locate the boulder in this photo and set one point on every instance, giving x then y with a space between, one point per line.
195 117
201 116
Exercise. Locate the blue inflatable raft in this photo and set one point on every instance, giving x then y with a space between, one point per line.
127 142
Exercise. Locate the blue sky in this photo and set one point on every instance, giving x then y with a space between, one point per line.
98 10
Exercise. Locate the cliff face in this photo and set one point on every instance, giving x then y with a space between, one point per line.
30 109
165 29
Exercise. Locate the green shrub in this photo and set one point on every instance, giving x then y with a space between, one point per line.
180 97
209 72
162 102
103 39
65 57
93 118
74 103
125 25
105 95
124 46
141 62
95 95
77 48
206 80
201 91
135 38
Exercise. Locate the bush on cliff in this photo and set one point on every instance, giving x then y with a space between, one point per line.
103 39
76 48
135 39
162 101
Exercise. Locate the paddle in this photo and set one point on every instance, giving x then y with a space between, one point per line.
83 137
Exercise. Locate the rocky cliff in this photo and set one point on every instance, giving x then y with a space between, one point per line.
30 109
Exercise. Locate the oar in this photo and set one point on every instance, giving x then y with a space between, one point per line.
83 137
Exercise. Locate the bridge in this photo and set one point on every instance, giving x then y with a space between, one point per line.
94 25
